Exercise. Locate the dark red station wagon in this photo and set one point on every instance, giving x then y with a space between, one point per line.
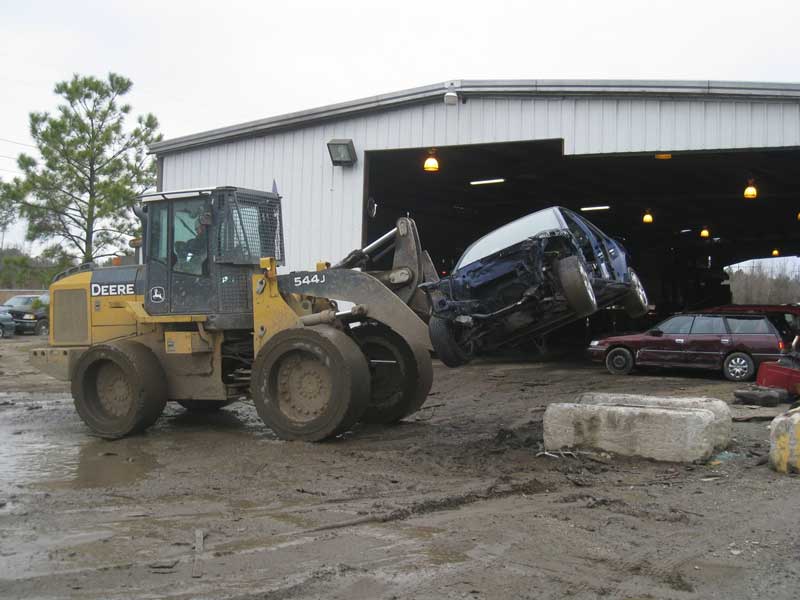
737 344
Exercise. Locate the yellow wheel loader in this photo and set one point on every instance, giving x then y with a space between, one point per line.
206 320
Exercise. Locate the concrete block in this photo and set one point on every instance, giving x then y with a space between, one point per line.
660 433
784 442
723 424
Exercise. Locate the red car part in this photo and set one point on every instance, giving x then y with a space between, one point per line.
775 375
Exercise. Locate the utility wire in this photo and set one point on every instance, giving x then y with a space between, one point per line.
18 143
7 156
12 171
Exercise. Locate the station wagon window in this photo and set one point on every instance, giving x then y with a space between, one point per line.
743 325
708 325
677 325
510 234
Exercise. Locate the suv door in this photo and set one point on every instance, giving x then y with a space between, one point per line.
707 343
668 348
756 336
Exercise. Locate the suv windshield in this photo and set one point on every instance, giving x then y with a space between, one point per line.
510 234
20 301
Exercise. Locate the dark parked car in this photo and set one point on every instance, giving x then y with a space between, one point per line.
737 344
525 279
31 313
7 325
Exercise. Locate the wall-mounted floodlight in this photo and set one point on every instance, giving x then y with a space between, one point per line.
450 98
343 153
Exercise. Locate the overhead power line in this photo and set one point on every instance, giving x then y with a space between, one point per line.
12 171
17 143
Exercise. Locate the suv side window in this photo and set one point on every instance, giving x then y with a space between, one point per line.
745 325
709 325
677 325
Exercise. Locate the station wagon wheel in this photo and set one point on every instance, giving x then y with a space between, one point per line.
576 286
619 361
738 366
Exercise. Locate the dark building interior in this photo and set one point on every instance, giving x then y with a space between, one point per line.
684 193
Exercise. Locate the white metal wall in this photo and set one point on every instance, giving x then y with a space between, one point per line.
323 204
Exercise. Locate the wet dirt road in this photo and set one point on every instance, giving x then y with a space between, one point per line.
453 503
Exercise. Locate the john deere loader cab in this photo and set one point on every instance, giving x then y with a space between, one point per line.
201 248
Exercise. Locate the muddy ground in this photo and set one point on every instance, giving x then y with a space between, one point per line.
452 503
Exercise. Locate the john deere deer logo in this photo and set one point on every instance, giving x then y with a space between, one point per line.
157 294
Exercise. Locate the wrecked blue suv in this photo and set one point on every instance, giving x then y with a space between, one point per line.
525 279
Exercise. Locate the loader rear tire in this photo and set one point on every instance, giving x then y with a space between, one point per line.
119 389
310 383
204 406
401 374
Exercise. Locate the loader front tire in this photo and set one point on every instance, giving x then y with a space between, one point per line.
401 374
310 383
119 389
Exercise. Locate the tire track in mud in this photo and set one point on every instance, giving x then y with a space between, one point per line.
450 502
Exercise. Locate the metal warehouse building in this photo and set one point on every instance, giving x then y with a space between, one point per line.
681 151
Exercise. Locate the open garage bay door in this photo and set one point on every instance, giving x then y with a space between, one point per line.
684 193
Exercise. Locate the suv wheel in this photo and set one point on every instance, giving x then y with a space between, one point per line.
446 343
43 327
738 366
636 303
619 361
577 286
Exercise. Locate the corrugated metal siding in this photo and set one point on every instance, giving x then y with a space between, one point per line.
323 204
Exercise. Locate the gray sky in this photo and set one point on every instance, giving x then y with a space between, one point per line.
199 65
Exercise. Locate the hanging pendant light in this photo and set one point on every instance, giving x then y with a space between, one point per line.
704 232
431 164
751 191
647 217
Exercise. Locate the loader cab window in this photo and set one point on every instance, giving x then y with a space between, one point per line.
159 231
192 223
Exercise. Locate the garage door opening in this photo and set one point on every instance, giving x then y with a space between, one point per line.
683 192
